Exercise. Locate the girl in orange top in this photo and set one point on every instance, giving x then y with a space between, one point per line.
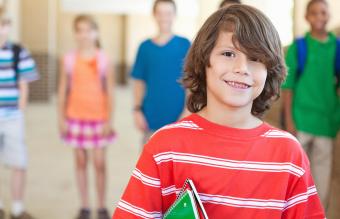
85 108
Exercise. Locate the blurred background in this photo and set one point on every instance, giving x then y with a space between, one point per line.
45 28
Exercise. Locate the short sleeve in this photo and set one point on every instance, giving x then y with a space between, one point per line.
303 200
291 62
27 68
138 69
142 197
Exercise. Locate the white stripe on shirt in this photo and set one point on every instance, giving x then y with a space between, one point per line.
6 54
140 212
9 92
145 179
248 202
229 164
170 190
279 134
7 73
26 64
243 202
299 198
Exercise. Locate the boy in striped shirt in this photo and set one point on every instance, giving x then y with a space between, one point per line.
17 68
242 167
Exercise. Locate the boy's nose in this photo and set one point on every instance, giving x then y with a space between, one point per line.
241 65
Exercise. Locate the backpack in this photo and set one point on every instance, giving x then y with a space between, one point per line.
102 66
301 50
16 50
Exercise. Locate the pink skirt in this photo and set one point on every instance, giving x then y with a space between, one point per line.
86 134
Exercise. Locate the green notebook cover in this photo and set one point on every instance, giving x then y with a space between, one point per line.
184 207
188 204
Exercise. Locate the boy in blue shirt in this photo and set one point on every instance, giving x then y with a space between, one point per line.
158 96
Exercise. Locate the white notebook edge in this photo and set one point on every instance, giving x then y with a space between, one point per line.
197 198
192 198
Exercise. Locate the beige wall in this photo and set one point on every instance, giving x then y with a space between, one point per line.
38 25
34 24
207 7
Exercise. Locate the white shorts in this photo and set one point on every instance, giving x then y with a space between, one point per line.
13 151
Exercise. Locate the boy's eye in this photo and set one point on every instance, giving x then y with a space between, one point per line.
229 54
255 59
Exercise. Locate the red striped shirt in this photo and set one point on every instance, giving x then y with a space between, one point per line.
239 173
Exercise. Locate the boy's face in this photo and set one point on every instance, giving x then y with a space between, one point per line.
317 16
165 14
4 29
232 79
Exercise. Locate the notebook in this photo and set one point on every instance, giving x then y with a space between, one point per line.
187 205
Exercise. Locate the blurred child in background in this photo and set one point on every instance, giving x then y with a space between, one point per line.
85 109
310 100
17 69
158 96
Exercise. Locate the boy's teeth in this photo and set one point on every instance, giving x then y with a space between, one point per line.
237 85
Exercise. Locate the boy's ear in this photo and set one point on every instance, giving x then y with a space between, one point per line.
306 16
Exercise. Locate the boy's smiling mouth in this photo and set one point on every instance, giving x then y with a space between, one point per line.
236 84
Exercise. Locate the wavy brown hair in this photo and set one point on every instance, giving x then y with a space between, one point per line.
256 37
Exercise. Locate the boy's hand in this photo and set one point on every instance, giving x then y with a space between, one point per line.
140 121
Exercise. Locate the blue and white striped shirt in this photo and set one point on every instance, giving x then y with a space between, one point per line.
27 71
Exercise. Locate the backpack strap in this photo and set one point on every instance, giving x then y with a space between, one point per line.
337 63
301 54
69 61
102 66
301 49
102 61
16 49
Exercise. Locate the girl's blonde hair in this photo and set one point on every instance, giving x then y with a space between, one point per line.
87 19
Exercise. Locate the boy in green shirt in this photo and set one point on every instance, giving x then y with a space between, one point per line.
227 3
311 104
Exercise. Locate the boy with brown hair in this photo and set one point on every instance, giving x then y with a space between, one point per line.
310 100
242 167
